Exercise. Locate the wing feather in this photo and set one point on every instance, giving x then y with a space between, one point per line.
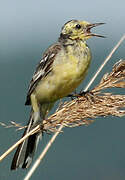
43 68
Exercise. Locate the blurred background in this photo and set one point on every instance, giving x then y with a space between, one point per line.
27 28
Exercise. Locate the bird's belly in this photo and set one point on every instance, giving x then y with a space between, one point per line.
60 82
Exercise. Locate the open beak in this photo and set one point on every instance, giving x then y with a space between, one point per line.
89 26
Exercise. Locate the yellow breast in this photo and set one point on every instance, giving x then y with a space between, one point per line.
68 72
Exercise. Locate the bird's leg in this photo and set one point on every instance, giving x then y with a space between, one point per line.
87 94
74 95
82 93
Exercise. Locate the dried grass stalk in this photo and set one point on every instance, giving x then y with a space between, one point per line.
83 110
96 103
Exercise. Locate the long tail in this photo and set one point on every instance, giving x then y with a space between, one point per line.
25 151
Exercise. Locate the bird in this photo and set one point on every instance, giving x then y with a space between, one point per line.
62 68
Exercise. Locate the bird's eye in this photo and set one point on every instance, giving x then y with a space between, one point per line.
78 26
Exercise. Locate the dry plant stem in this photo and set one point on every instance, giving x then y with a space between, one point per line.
33 168
37 162
18 142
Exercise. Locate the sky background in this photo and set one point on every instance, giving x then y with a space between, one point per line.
27 28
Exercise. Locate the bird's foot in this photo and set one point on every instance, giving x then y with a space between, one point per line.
88 94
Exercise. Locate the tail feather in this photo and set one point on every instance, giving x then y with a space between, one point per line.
30 150
25 151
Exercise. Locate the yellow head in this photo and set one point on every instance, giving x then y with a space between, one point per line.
78 30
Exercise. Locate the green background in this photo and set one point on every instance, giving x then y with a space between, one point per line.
27 28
